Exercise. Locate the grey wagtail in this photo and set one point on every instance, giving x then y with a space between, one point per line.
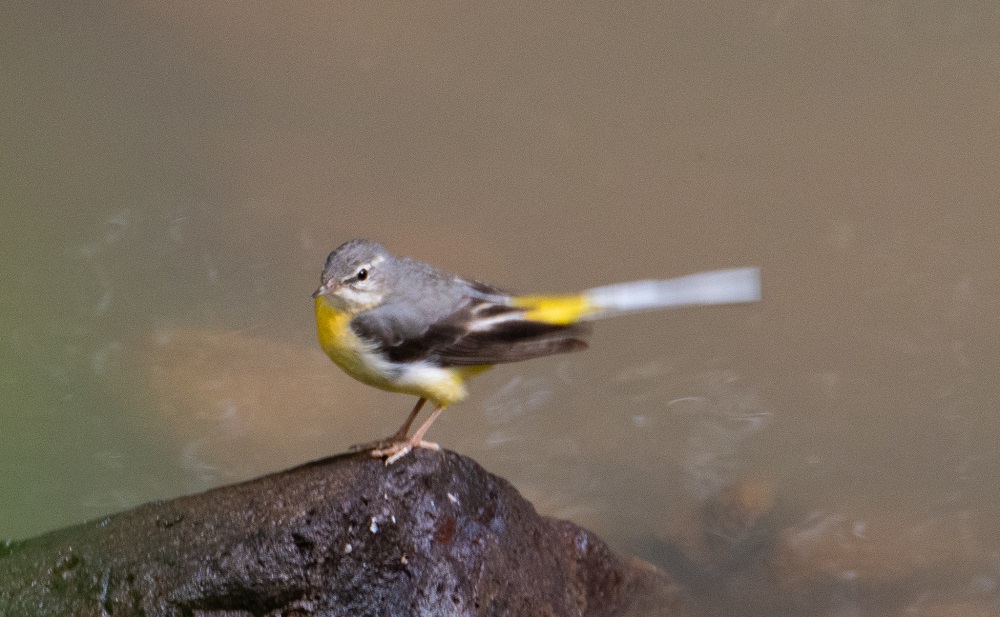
404 326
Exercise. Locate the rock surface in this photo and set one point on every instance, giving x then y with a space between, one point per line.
434 534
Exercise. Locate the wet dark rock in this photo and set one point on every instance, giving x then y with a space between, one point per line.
433 534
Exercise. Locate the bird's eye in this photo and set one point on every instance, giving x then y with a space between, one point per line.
362 274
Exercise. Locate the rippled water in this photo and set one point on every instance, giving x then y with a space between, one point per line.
174 176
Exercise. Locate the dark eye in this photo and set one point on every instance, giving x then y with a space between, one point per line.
362 274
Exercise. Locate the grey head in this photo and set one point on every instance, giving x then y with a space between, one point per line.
356 274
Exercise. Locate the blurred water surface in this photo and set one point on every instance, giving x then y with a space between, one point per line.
175 173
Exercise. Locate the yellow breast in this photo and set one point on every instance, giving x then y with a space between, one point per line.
333 327
441 385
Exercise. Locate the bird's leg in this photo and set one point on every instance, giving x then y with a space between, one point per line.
403 430
399 449
418 437
397 437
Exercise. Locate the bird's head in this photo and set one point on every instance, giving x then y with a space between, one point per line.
354 278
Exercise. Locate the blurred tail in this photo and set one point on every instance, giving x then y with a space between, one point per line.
704 288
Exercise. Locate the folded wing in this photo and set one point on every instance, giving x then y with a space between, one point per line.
479 332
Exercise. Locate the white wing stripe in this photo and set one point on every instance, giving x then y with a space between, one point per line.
484 324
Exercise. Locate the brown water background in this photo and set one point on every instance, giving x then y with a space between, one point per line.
174 174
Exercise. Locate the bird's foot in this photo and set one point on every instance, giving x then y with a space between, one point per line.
371 445
394 451
380 444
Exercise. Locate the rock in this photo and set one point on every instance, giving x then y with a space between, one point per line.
434 534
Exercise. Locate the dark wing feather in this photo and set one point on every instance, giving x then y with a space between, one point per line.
403 335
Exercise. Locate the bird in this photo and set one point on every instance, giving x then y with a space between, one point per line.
405 326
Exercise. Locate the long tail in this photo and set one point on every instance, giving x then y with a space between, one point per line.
704 288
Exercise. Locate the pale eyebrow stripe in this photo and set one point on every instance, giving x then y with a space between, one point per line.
366 266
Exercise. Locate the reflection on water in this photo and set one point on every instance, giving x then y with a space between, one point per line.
716 424
175 174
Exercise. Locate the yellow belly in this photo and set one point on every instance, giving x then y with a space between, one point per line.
440 385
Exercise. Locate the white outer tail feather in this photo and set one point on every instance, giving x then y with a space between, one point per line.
715 287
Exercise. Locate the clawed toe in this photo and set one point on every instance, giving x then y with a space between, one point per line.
395 451
398 446
372 445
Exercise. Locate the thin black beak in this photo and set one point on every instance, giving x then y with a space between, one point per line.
323 289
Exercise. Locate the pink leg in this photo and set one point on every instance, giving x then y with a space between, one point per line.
397 437
403 430
399 449
418 437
